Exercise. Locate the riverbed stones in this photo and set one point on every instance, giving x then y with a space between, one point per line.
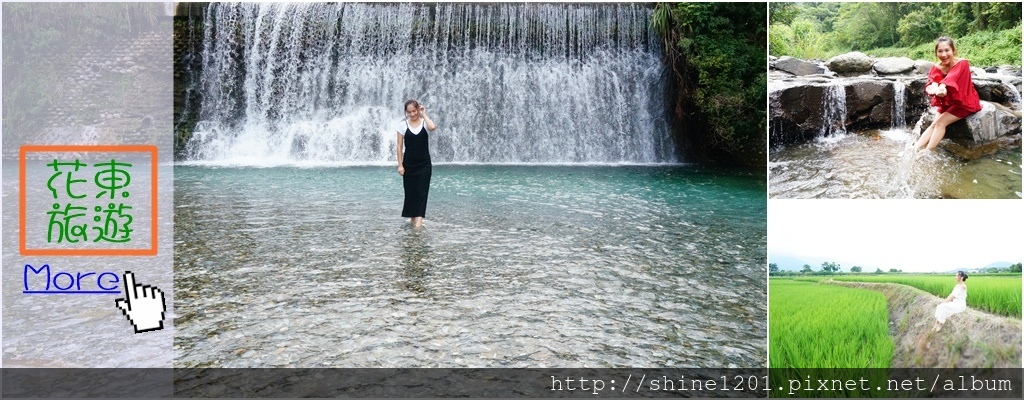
797 66
850 63
893 65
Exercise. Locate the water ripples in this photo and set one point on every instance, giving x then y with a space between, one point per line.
516 267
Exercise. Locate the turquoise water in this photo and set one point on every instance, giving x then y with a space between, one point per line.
516 266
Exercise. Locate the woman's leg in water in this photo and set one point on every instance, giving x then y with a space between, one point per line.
937 131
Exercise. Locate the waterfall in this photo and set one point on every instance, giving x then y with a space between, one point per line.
505 83
899 109
833 119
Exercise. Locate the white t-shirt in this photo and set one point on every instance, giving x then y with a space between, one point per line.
414 129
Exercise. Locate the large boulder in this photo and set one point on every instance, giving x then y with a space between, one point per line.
802 110
796 112
850 63
922 66
980 133
995 91
797 66
893 65
869 103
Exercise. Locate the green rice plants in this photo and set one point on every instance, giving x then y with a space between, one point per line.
994 293
817 326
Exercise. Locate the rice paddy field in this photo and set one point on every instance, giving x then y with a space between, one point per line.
993 293
827 326
815 326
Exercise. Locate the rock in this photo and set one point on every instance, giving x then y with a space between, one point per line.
975 71
797 66
772 59
992 122
994 91
869 103
852 62
990 70
922 66
893 65
974 153
1008 70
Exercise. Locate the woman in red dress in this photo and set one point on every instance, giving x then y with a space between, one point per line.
951 90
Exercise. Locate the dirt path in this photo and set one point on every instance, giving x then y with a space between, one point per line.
969 339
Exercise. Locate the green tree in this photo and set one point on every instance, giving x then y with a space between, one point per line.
921 25
1015 267
807 269
863 26
829 267
773 268
716 53
878 271
855 269
781 13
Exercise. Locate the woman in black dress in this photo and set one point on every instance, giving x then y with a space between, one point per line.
414 163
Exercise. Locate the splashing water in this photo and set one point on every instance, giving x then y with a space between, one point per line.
874 164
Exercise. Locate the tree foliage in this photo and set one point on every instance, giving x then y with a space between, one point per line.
716 52
842 27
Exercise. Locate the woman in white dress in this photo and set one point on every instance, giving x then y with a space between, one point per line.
955 303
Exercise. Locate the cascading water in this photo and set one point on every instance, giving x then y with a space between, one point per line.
833 119
899 108
508 83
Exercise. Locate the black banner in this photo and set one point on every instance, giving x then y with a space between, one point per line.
511 383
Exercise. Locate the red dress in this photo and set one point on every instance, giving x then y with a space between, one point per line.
961 99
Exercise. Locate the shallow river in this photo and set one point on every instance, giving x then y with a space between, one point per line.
516 266
880 164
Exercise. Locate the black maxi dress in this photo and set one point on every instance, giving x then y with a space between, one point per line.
416 180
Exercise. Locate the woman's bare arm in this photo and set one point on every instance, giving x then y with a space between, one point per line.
401 142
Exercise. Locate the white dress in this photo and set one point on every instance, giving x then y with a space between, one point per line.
958 305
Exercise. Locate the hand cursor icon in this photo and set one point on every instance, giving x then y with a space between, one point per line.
143 305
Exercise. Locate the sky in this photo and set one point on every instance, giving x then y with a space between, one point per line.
911 235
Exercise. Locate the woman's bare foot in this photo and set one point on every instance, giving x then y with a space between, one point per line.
938 326
417 222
